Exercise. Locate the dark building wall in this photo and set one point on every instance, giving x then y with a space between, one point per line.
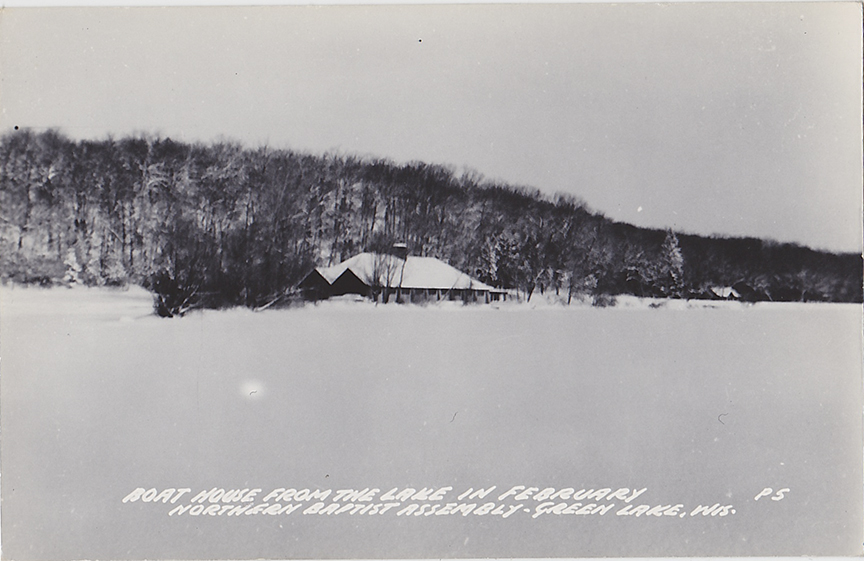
348 283
314 286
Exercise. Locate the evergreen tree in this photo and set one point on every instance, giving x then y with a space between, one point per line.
672 266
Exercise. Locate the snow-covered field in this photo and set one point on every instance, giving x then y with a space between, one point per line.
699 404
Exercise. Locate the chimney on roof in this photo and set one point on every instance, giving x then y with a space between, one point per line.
400 250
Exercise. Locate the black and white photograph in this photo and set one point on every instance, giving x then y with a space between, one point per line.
449 281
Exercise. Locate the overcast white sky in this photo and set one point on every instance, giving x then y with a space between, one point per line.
737 119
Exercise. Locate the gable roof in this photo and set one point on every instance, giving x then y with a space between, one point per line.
377 269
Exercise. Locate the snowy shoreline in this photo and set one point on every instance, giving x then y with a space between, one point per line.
134 302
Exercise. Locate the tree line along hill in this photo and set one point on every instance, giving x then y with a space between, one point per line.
214 225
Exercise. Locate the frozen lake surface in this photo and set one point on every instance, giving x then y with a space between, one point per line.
696 405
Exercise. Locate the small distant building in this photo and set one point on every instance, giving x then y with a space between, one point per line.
724 293
739 291
402 277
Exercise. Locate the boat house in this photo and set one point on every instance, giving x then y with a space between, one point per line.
406 279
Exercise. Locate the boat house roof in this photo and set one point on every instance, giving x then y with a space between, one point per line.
375 269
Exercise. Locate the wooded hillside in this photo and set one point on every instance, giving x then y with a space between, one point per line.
219 224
